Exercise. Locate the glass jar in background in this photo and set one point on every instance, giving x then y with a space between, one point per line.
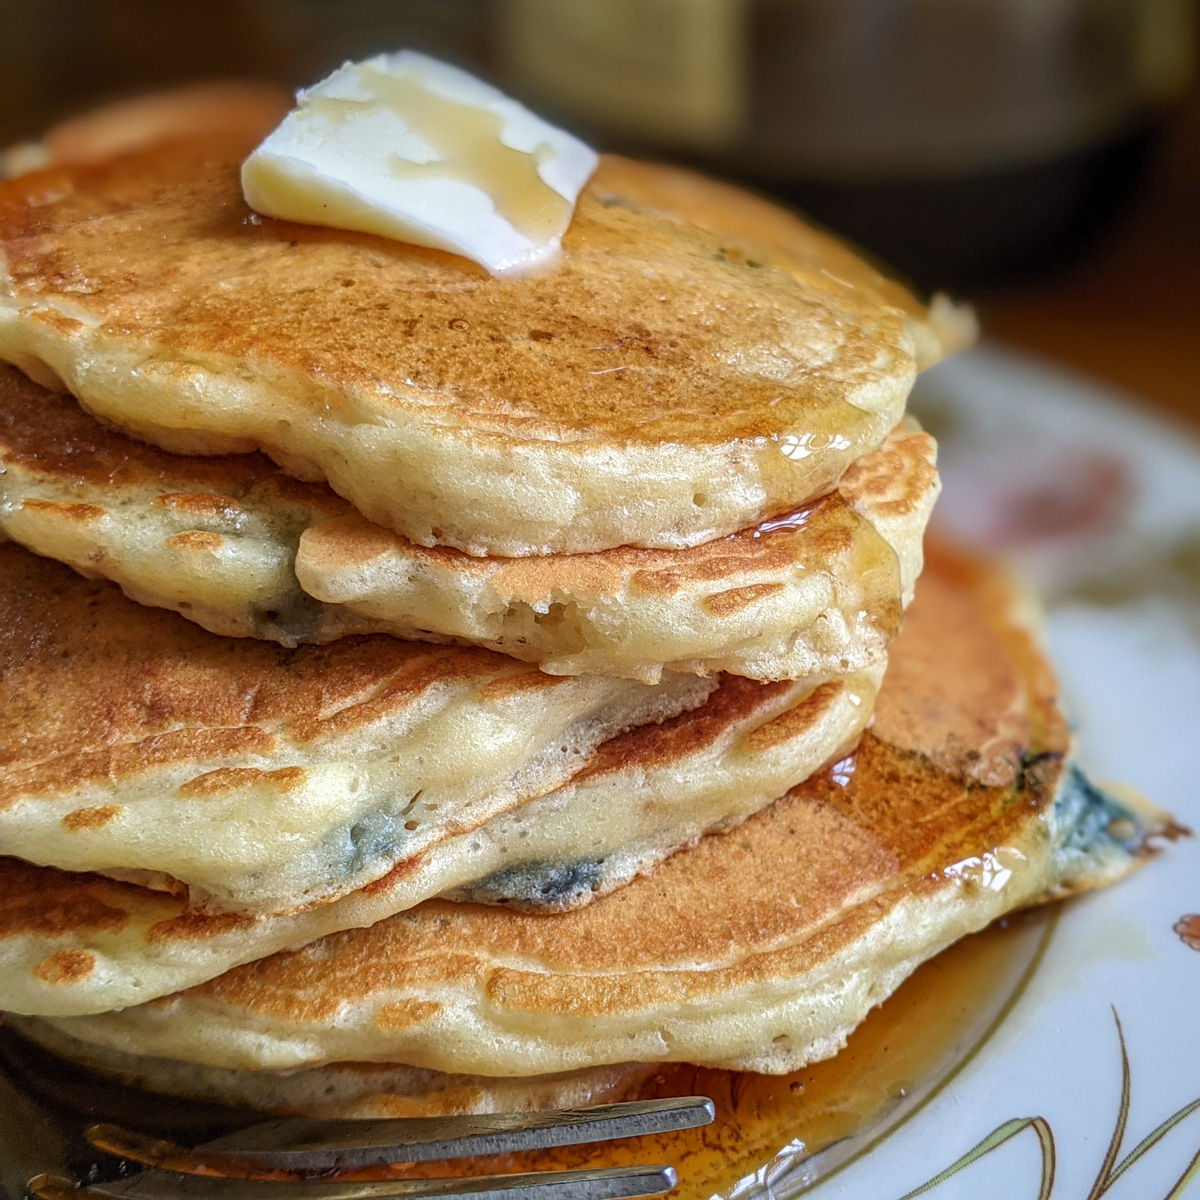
963 141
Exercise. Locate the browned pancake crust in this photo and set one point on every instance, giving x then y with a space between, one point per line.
892 481
51 436
45 901
951 694
96 688
780 236
216 540
672 741
48 901
54 904
590 352
784 892
980 722
653 336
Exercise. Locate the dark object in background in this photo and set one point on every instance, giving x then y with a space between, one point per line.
965 142
966 232
60 58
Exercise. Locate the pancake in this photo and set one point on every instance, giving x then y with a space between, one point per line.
213 539
138 122
75 943
264 778
758 949
814 593
941 328
342 1090
665 385
228 542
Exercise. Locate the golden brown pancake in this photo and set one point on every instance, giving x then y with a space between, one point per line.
228 542
260 777
812 594
214 539
756 949
75 943
138 122
942 328
663 386
342 1090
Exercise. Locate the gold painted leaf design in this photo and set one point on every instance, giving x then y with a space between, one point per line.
1110 1170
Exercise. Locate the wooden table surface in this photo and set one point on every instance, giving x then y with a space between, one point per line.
1130 313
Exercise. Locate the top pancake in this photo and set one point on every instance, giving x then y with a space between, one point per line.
758 949
664 385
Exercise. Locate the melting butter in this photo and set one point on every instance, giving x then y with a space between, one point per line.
468 145
408 147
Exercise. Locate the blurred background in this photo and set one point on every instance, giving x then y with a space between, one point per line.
1039 157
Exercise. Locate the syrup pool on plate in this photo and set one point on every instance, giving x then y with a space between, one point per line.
787 1130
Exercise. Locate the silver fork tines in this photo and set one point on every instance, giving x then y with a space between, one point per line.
226 1168
600 1183
301 1144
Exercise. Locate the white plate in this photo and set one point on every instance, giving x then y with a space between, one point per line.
1099 505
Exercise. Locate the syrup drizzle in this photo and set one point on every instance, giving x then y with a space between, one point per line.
467 145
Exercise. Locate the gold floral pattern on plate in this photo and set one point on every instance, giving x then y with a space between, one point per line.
1110 1169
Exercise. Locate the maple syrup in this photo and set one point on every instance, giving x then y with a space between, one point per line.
903 1050
765 1124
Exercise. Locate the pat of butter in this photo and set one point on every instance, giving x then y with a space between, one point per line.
414 149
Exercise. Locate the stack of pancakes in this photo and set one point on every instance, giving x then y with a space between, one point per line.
425 692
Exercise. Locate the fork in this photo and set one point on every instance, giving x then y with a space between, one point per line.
309 1151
